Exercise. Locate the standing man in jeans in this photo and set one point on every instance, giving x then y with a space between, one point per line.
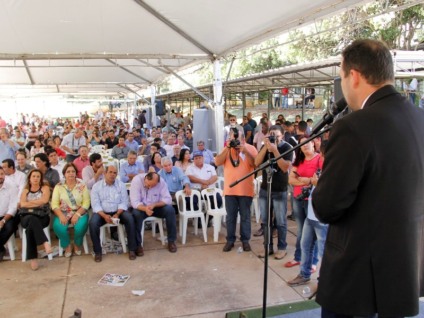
238 160
274 145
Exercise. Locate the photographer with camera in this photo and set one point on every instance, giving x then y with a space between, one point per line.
305 165
71 144
238 160
274 145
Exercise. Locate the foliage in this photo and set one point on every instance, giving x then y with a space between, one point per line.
398 29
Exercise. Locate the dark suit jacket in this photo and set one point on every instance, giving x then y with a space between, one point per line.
371 192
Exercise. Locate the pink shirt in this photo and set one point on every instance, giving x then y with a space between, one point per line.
307 169
81 164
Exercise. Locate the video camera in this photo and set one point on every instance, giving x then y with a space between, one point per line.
235 142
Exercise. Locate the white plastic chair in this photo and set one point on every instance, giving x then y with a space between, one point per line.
154 221
11 246
112 162
120 235
217 213
220 183
255 203
97 149
84 243
186 214
24 243
122 161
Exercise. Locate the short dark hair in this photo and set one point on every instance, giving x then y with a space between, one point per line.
156 145
10 163
276 127
150 175
303 125
94 157
49 150
371 58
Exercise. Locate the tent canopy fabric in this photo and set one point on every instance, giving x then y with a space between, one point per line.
121 46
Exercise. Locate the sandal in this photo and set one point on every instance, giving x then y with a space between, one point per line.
77 251
48 248
68 251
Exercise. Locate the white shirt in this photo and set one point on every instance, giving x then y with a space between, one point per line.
205 173
59 168
8 199
88 175
73 143
169 150
18 179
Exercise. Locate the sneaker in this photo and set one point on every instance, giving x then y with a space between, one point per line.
280 254
261 254
298 280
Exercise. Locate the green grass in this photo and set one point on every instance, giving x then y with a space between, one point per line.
275 310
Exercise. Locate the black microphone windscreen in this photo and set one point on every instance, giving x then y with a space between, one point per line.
339 106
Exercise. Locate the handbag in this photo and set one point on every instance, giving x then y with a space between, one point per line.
40 211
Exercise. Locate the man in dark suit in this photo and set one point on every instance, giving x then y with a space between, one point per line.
371 193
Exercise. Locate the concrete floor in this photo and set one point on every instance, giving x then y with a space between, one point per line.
197 281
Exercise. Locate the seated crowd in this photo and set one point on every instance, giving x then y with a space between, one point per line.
57 164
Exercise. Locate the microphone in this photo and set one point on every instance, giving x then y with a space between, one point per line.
328 117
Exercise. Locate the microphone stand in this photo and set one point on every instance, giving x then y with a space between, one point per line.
269 166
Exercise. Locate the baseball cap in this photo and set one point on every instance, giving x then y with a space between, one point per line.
197 153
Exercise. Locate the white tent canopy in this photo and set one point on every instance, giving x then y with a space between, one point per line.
120 46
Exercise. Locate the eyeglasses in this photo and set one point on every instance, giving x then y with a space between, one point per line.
232 120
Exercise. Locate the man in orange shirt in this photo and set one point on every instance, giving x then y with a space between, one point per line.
238 160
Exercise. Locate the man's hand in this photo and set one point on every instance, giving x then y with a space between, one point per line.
107 218
149 209
187 191
100 171
271 147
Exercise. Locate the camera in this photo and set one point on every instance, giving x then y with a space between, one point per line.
235 142
272 139
306 191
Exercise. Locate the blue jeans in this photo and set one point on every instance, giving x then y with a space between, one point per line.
279 202
97 221
285 102
300 211
314 234
234 205
166 212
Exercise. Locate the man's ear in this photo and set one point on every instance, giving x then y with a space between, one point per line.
356 78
